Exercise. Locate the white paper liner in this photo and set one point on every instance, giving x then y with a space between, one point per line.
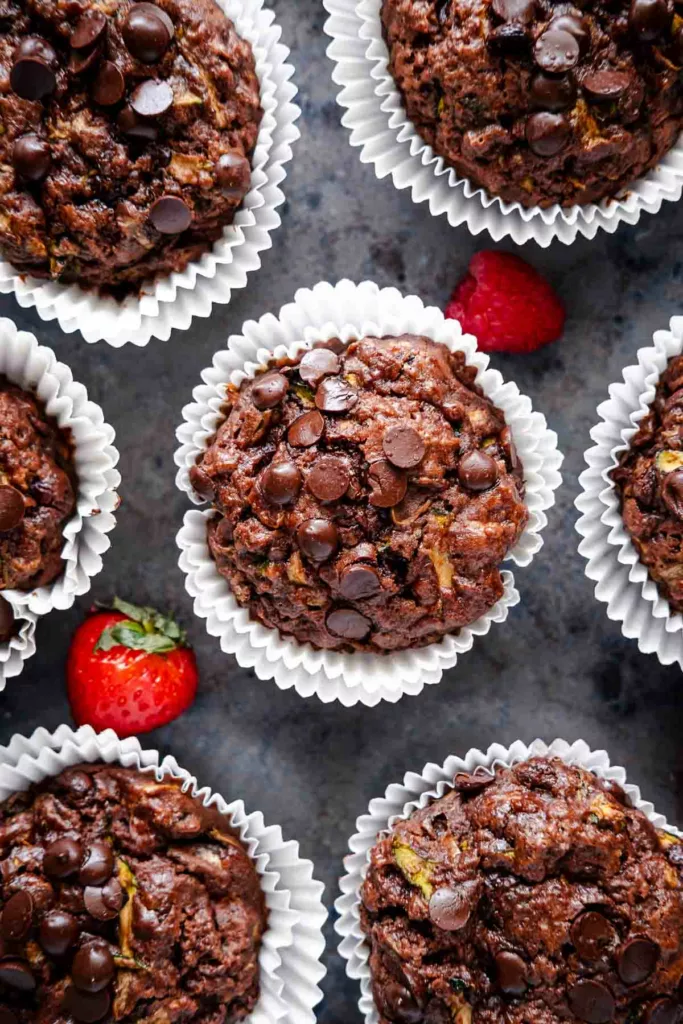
36 369
173 301
347 311
622 581
292 944
378 123
19 648
416 792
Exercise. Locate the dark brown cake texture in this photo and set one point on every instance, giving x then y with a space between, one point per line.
649 480
37 491
8 623
541 102
366 495
124 900
127 136
537 896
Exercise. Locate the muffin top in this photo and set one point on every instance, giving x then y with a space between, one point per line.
366 494
541 102
649 480
37 482
124 899
128 130
533 897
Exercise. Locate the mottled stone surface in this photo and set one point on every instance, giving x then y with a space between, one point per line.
557 667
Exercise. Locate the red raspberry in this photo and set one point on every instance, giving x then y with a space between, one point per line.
506 304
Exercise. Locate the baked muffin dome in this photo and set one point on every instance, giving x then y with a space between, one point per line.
128 131
540 102
537 896
366 495
124 899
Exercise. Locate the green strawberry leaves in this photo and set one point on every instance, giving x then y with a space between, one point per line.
144 629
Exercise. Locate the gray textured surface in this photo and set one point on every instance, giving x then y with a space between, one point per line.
557 667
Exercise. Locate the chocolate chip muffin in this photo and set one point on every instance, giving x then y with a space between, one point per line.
127 136
366 495
541 102
649 480
124 899
535 896
37 491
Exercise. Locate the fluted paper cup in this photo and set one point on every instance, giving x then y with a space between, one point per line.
35 368
347 311
417 791
622 581
379 125
292 943
173 301
20 647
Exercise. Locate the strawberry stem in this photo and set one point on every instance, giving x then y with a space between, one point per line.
144 629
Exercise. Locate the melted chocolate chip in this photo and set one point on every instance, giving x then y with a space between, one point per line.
7 622
510 39
109 85
359 582
17 916
547 134
403 446
649 18
12 508
511 973
152 99
58 932
450 908
170 215
605 86
317 539
477 471
97 864
521 11
306 430
672 492
318 364
281 483
577 26
400 1006
233 174
103 902
81 61
269 390
552 92
86 1007
636 960
329 479
202 483
473 782
147 32
348 624
17 974
93 967
134 127
388 485
591 1001
593 935
62 858
556 51
89 30
335 395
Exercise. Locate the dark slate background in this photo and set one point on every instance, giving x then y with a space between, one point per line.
557 667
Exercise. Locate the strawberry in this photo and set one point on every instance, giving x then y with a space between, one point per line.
506 304
129 669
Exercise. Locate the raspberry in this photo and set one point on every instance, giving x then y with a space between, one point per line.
506 304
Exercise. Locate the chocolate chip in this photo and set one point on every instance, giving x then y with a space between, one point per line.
170 215
400 1006
134 127
511 39
649 18
521 11
281 483
549 92
202 483
268 390
477 471
605 86
672 492
511 973
86 1007
358 582
318 539
636 960
146 923
36 46
403 446
335 395
103 902
329 479
58 932
7 622
593 935
62 858
591 1001
97 864
81 61
109 85
556 51
233 174
12 507
547 134
31 157
93 967
450 908
576 26
17 916
318 364
32 76
388 485
473 782
17 974
152 99
306 430
348 624
663 1011
89 30
147 32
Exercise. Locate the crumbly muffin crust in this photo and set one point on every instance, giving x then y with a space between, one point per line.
124 900
649 480
128 132
535 897
366 495
541 102
37 491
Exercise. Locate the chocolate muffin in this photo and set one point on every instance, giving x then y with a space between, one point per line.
533 897
366 495
127 136
541 102
649 480
124 900
37 491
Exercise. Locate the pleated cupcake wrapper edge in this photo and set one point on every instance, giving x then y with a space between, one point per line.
293 943
622 580
376 118
35 368
176 299
417 791
320 313
16 652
